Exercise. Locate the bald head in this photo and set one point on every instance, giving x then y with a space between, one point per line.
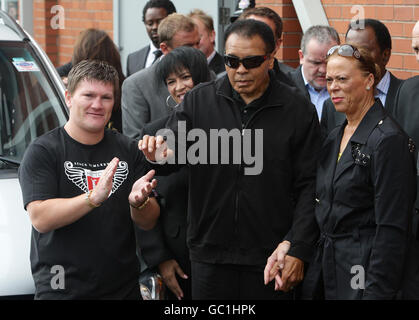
415 40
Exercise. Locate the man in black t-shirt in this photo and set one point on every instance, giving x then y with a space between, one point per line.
83 186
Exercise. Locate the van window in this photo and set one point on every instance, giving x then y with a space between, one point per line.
29 103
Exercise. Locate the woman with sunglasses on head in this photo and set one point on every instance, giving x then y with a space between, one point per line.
182 69
365 189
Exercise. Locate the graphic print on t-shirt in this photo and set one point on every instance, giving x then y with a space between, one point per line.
87 179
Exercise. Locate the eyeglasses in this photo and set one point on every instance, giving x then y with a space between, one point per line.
345 50
248 62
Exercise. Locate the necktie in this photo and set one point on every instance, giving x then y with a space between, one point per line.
157 55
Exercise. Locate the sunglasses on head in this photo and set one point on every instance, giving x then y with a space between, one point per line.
345 50
248 62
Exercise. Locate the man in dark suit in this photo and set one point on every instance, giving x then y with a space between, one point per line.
144 102
274 21
374 36
205 26
153 13
310 76
406 109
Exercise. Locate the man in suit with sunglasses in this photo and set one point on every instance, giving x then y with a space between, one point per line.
238 212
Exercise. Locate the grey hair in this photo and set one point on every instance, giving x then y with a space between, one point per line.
323 34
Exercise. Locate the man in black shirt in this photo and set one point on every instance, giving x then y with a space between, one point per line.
82 186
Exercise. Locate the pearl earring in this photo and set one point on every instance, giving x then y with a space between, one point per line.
368 88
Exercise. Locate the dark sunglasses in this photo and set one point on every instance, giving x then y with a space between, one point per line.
345 50
248 62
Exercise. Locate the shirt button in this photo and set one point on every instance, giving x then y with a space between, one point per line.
245 111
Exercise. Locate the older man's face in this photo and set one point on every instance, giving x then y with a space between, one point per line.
314 62
249 83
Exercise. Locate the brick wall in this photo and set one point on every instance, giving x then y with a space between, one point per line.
291 32
398 15
78 15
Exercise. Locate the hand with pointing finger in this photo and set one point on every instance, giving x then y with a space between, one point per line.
155 148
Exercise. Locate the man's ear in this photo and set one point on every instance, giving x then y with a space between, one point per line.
386 55
278 44
271 60
164 48
68 99
212 36
301 55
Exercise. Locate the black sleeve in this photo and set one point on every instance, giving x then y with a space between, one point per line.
393 175
304 232
181 119
37 174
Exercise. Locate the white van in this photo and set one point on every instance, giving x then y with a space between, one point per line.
31 103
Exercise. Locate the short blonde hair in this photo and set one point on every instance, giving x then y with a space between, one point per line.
172 24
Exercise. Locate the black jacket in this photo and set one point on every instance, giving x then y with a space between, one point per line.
240 219
297 78
364 208
406 112
136 61
332 119
167 240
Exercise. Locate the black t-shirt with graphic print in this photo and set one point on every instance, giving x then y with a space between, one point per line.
94 257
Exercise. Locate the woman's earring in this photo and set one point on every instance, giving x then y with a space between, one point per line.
168 104
368 88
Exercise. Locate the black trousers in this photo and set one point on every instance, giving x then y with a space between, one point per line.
232 282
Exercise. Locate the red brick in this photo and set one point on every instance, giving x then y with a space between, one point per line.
396 61
403 13
402 45
291 40
333 12
401 74
290 53
408 27
339 25
291 25
410 63
395 29
368 12
384 13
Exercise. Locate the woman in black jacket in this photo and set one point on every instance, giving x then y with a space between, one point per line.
365 190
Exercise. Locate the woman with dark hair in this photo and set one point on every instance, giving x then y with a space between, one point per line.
164 247
94 44
365 190
182 69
